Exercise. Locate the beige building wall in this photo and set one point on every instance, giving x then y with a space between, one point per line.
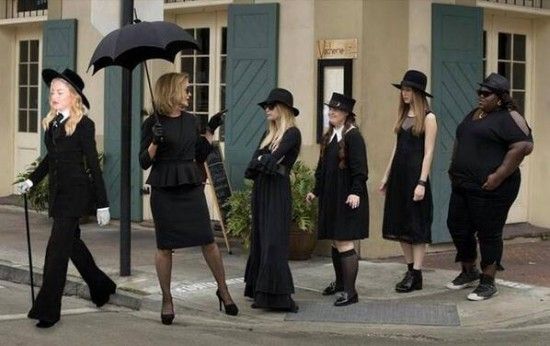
539 174
7 99
384 63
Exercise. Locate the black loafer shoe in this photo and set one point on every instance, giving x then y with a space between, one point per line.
345 299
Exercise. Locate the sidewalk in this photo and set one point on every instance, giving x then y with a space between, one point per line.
194 287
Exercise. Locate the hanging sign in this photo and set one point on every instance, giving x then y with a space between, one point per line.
337 49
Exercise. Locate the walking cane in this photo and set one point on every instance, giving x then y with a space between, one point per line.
29 245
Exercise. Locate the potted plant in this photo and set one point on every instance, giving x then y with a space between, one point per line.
302 238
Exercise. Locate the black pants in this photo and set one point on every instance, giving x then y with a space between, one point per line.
483 213
65 243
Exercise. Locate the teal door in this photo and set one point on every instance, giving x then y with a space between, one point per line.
58 53
457 67
111 163
252 34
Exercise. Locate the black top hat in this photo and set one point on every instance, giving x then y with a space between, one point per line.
280 95
496 83
70 77
414 79
342 102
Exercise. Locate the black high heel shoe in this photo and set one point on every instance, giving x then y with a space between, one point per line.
230 309
167 319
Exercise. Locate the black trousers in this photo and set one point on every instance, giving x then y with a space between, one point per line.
481 213
65 243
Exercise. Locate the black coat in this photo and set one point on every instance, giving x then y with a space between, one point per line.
333 185
71 189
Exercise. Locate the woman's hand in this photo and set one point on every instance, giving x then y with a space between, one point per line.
310 197
353 201
209 136
419 193
103 216
493 181
24 186
158 133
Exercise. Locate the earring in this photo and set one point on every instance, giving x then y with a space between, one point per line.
499 103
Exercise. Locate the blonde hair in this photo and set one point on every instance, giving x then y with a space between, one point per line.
170 92
420 107
76 112
277 128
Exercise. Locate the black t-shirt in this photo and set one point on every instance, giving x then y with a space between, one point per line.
481 145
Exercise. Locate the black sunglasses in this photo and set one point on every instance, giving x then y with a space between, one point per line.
270 105
484 93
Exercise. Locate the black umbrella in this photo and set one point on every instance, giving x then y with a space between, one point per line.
135 43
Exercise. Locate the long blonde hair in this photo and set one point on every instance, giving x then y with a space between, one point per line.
170 92
76 112
420 107
277 128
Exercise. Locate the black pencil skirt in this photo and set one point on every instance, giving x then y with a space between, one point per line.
181 217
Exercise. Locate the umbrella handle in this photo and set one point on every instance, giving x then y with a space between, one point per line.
29 245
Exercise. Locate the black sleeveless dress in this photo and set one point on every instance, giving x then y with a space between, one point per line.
178 203
404 219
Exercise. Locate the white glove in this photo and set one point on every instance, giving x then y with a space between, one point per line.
24 186
103 216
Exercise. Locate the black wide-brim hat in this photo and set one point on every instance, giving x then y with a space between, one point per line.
416 80
70 77
280 95
496 83
342 102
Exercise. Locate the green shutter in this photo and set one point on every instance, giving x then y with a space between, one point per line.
111 167
58 53
252 41
457 67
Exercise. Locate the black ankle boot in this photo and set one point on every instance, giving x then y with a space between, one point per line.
412 281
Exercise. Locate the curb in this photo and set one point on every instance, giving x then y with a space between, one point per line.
74 286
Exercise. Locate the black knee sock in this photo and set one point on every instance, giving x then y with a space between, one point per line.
350 265
337 264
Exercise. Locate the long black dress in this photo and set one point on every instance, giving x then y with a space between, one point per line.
333 185
406 220
268 277
178 202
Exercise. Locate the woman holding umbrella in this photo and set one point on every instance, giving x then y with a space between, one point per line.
268 277
172 146
340 184
70 143
490 144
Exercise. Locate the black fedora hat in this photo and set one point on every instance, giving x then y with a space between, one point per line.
280 95
342 102
70 77
496 83
414 79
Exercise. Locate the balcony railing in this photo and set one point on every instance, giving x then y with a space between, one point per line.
25 8
533 4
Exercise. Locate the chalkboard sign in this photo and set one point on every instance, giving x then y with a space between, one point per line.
220 184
